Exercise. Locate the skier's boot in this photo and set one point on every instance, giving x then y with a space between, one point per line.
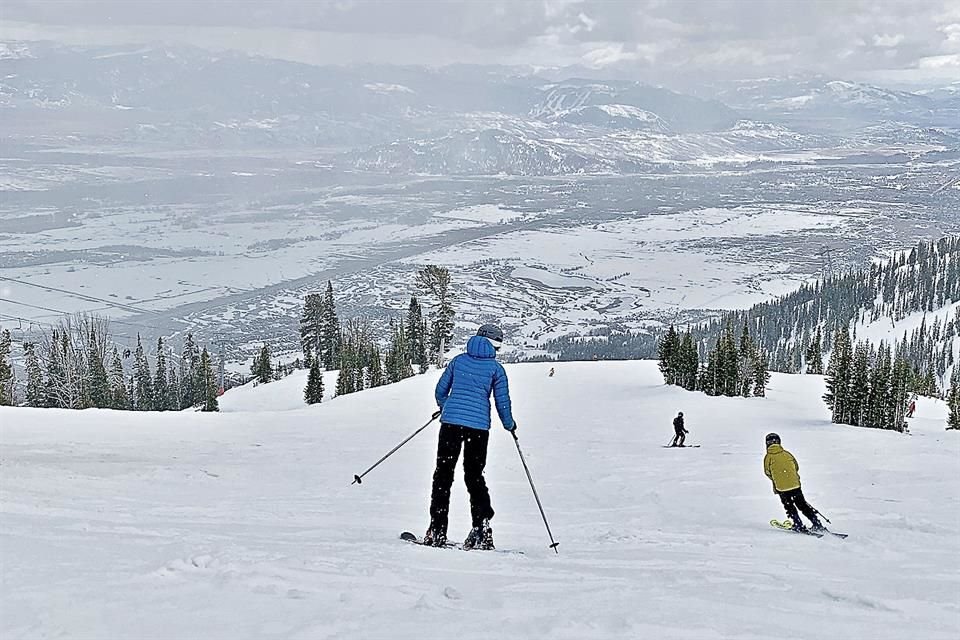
798 526
480 537
818 527
434 537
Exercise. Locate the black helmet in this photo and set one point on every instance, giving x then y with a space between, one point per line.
680 414
772 438
493 333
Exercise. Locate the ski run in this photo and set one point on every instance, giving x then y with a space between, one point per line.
244 524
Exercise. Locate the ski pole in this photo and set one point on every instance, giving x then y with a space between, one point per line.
358 479
553 544
815 510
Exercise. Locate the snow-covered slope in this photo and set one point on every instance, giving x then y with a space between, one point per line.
244 525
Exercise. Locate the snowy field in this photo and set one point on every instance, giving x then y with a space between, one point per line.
244 524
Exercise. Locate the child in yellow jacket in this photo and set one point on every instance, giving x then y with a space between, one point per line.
781 467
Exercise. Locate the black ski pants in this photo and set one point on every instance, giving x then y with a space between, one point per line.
474 443
793 500
680 434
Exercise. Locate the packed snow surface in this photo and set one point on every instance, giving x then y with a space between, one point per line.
245 525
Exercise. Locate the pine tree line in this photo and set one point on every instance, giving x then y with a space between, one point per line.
413 341
732 367
924 279
867 386
76 366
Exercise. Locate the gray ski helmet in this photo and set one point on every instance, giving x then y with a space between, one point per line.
493 333
772 438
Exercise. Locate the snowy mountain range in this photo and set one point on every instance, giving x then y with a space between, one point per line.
184 96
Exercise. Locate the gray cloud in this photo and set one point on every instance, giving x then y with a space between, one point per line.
897 39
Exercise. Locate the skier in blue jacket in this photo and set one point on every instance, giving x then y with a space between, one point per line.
463 395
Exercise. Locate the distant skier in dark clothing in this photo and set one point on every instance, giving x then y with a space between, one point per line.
463 395
782 469
680 432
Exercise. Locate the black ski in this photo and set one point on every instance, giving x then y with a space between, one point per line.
412 538
677 446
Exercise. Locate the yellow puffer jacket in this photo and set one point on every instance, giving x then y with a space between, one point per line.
781 467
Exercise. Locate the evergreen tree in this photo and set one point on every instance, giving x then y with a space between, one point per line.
838 376
173 389
669 353
56 377
814 355
330 330
98 382
878 397
689 363
143 390
899 394
6 370
345 378
119 399
161 383
859 391
730 364
416 335
36 396
746 363
209 380
709 378
262 368
132 393
436 281
190 375
953 399
313 393
375 377
312 326
761 373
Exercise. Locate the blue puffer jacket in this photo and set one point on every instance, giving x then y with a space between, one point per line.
463 392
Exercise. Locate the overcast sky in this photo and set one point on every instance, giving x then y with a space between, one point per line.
892 41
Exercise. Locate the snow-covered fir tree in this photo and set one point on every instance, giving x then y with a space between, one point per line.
330 334
6 369
312 327
143 380
313 392
746 362
953 399
838 376
436 281
417 335
668 352
209 385
262 367
97 380
814 354
173 389
35 395
191 387
161 388
119 398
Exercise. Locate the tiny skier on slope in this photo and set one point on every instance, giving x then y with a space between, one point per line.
781 467
680 432
463 395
